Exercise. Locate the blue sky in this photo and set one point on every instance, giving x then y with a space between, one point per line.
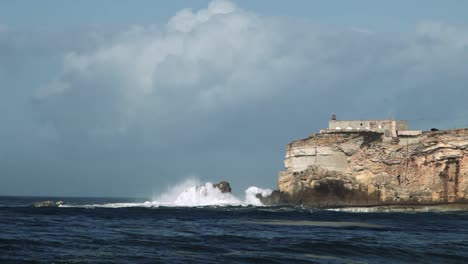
372 14
123 98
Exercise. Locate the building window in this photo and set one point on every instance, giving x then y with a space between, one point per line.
361 124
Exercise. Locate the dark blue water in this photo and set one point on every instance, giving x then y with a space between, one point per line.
225 234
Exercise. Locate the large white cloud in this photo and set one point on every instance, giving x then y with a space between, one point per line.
199 61
224 57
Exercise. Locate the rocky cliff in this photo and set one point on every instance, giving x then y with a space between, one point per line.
361 168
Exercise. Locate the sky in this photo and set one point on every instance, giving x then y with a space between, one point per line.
125 98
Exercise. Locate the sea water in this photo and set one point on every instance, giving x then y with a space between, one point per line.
199 224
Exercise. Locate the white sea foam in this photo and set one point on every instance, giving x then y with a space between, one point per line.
251 195
205 195
191 193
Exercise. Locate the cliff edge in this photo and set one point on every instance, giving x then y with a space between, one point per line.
364 168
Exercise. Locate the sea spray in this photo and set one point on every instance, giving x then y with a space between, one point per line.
191 193
251 195
170 195
205 195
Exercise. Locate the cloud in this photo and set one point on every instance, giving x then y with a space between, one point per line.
217 57
185 20
223 57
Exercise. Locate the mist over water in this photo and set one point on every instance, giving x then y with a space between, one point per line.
192 193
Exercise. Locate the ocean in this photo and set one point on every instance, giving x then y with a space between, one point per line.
119 230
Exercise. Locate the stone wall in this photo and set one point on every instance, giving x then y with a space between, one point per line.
300 158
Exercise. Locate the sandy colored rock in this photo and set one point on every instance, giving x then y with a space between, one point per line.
343 169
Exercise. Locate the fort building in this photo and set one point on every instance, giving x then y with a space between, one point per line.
388 127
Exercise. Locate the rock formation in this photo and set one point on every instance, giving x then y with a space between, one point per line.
224 186
361 168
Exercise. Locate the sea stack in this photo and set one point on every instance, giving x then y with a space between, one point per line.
375 162
223 186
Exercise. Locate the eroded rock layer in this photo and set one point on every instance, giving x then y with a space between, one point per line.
361 168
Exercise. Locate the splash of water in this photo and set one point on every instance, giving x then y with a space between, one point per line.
251 195
204 195
191 193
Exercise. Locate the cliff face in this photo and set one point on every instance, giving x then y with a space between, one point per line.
356 169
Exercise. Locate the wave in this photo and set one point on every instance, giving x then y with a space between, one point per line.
191 193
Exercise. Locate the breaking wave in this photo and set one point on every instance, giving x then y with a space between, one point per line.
192 193
197 195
